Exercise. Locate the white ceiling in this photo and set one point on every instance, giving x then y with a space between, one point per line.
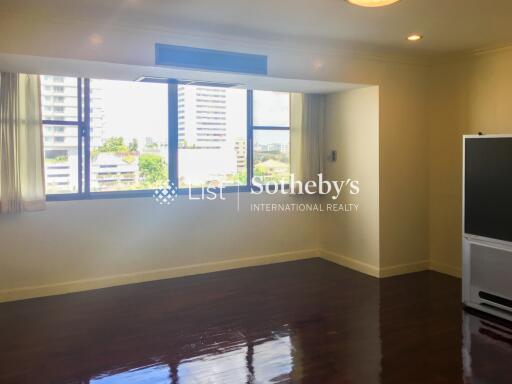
448 25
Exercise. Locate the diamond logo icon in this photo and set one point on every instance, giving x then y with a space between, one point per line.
166 194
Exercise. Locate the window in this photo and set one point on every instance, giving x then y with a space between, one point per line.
271 109
106 138
61 156
128 137
212 137
271 156
271 137
61 135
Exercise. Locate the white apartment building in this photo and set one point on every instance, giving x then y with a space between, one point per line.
202 116
210 123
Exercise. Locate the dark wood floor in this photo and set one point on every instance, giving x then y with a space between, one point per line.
302 322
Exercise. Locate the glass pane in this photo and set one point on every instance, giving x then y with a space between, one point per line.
271 156
59 98
129 147
271 109
61 158
212 136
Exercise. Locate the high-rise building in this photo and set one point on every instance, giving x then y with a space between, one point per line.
59 103
97 114
202 116
211 126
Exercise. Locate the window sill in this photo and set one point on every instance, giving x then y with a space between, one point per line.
148 193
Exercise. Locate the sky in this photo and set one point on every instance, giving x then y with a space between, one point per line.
139 110
134 110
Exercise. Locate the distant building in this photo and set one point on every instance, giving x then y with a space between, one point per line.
202 116
273 147
210 121
112 170
241 154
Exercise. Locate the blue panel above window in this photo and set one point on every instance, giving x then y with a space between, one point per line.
211 60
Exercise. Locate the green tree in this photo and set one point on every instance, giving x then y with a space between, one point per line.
153 169
260 170
133 146
113 144
239 178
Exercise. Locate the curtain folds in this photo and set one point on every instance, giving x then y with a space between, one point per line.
21 146
306 135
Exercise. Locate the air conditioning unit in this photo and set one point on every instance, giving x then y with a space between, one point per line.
487 276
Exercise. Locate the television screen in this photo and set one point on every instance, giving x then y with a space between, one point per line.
488 187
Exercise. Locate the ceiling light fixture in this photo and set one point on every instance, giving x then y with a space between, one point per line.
372 3
95 39
414 37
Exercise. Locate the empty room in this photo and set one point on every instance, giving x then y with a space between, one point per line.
282 191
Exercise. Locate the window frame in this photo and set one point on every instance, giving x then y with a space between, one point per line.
83 124
250 131
79 123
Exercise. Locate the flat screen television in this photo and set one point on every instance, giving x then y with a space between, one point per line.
488 187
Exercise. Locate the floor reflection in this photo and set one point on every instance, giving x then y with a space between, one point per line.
158 374
487 349
225 367
260 361
272 360
267 360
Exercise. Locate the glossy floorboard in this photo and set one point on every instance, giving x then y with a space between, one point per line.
302 322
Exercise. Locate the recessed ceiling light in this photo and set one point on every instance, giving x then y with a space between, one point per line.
96 39
372 3
414 37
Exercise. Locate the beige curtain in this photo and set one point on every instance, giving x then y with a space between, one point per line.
306 135
21 147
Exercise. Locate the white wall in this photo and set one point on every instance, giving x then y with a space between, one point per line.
47 247
469 95
80 240
352 129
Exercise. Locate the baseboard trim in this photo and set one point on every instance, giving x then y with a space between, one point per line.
197 269
403 269
445 269
395 270
349 262
156 274
372 270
